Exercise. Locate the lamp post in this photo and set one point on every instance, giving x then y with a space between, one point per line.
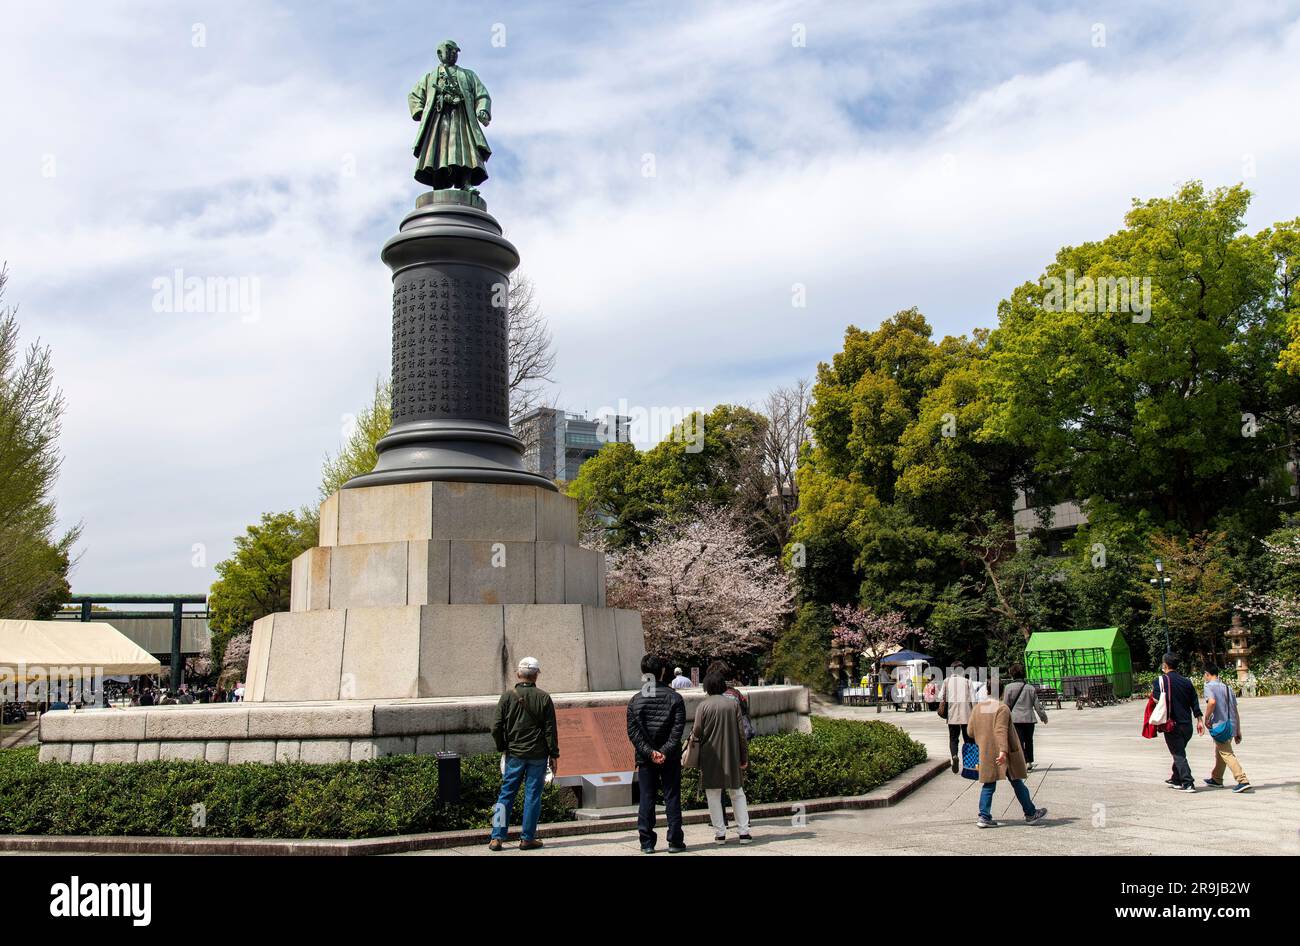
1164 610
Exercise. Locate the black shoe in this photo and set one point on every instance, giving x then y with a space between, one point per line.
1173 781
648 850
1036 817
1215 782
955 765
677 849
746 838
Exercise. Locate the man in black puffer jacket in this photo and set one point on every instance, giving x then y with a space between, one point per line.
656 719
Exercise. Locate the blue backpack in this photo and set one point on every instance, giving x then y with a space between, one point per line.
970 760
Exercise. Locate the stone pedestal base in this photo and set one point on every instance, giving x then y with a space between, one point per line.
441 650
439 589
336 731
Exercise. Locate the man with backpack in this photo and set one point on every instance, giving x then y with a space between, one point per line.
524 730
656 719
1224 728
1181 705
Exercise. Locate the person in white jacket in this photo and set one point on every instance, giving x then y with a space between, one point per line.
956 697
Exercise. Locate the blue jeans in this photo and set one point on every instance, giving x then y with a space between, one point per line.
1017 785
532 773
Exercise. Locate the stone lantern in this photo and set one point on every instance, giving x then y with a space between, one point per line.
1239 646
841 663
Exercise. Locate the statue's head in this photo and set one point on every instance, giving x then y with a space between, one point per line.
448 52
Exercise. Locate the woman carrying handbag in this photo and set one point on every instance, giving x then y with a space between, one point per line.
717 747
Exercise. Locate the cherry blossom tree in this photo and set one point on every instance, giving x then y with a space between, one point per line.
234 662
702 588
1279 605
876 635
200 667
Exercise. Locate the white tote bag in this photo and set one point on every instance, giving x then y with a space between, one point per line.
1160 712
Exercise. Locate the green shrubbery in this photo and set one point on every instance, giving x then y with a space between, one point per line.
397 795
839 757
1275 679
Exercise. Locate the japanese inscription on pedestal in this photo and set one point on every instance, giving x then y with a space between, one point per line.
449 346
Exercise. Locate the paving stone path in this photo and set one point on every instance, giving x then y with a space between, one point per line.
1101 782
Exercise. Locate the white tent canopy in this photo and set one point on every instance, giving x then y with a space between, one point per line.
39 650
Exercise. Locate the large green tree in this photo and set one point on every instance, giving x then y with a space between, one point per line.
1167 410
900 464
34 556
1175 411
1283 242
713 459
1199 595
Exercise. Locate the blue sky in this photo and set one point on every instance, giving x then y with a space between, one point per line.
912 153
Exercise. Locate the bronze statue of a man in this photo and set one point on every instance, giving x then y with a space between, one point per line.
452 106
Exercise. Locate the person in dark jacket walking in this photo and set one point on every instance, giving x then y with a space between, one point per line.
524 730
1022 697
1183 705
656 719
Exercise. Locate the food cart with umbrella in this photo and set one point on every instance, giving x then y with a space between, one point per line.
908 670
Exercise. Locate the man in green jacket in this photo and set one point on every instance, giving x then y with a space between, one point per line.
524 731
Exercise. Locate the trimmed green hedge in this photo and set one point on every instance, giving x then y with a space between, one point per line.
396 795
839 757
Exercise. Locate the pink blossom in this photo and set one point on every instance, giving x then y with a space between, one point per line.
876 635
702 588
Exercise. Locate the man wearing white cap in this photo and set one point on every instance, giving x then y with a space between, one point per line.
524 730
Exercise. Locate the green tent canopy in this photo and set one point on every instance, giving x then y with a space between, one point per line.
1069 660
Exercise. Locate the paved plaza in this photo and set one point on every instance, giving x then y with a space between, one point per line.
1101 782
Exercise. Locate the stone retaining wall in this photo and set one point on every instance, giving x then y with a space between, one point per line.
339 731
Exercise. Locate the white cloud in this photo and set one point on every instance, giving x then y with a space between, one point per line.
911 155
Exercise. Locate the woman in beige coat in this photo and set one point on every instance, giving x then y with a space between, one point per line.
723 756
1000 757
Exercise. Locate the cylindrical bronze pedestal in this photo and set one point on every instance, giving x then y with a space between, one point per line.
451 407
